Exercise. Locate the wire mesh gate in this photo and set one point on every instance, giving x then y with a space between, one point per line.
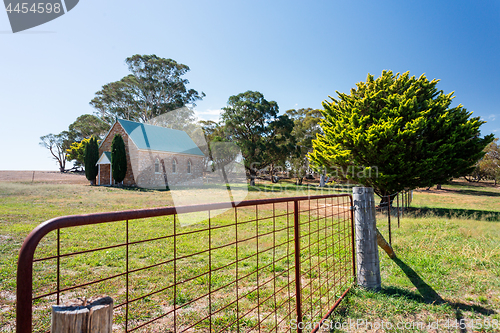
258 266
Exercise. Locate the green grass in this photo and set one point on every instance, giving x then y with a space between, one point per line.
447 267
24 205
448 249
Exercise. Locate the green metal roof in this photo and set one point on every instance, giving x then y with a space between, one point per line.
160 138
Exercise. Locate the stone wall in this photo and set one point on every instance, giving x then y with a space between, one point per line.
147 177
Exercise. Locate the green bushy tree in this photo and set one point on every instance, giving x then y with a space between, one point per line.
90 157
118 158
397 132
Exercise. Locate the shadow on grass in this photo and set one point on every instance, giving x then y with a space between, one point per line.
166 188
473 192
296 188
429 296
483 215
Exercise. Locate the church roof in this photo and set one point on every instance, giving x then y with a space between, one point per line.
159 138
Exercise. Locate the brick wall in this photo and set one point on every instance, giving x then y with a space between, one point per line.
106 146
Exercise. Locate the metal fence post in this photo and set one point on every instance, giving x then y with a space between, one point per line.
389 219
366 238
397 197
298 288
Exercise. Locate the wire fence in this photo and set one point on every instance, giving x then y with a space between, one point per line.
403 201
260 266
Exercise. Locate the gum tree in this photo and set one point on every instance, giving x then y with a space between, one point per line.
57 144
264 137
397 132
305 128
154 87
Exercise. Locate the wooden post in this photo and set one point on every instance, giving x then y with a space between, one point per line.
385 246
70 319
96 317
368 265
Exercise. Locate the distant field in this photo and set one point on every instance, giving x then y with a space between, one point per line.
42 176
448 246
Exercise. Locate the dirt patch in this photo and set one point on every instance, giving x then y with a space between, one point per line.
43 177
7 296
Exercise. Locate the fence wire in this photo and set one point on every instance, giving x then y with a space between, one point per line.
260 266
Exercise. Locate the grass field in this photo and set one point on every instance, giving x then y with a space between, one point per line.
448 249
447 267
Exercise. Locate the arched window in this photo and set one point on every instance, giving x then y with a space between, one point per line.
157 166
174 165
189 166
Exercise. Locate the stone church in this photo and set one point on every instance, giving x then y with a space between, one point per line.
156 156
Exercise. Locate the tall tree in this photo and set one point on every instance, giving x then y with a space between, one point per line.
213 132
154 87
118 158
306 127
88 125
57 144
398 132
253 124
91 156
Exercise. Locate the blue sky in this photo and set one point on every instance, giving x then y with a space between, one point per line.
296 53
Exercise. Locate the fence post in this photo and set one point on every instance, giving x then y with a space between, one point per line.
298 288
366 238
389 219
397 197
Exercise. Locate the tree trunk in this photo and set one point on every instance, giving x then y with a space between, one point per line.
386 201
252 173
438 186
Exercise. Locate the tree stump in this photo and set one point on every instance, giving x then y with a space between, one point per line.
95 317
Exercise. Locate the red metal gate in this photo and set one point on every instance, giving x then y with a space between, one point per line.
271 265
